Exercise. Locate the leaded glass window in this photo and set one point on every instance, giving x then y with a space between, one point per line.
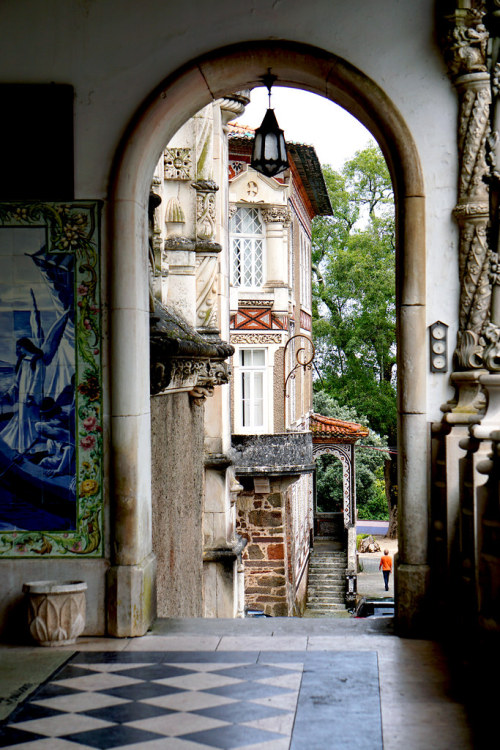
247 248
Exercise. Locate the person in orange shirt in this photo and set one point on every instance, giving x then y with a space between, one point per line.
386 567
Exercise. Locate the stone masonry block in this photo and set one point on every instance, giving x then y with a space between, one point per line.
276 551
265 518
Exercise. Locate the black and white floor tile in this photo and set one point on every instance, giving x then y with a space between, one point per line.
200 701
162 703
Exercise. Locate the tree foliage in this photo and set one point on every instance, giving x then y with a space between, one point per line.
354 310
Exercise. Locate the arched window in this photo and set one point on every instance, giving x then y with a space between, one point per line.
247 248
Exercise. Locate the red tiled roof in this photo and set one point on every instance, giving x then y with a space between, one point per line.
235 130
329 429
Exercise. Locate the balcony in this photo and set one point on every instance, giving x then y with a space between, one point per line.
272 455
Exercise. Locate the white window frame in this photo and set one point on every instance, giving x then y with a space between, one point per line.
305 271
250 240
250 373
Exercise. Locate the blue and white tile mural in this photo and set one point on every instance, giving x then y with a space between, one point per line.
50 380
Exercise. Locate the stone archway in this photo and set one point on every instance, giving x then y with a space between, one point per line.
167 108
345 454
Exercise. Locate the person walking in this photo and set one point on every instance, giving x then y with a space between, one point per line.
386 567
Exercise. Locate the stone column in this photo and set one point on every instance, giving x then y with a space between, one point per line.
277 218
465 52
131 579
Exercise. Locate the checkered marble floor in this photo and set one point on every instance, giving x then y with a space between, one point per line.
172 701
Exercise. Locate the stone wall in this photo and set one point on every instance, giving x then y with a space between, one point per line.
299 524
177 493
260 520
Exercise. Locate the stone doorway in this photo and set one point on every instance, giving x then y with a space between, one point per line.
168 107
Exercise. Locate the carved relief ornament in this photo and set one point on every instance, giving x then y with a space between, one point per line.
206 290
178 164
206 208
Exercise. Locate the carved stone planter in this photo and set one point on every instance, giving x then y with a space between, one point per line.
56 611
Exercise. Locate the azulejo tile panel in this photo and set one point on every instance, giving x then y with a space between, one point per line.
50 380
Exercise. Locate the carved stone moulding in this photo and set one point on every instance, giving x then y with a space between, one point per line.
258 338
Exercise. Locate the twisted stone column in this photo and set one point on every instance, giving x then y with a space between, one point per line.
465 52
466 57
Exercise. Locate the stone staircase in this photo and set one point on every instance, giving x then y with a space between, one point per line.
326 583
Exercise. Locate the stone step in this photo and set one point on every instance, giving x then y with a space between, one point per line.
330 608
326 582
331 555
322 563
326 571
333 596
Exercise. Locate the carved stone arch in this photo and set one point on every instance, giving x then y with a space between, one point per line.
169 106
345 453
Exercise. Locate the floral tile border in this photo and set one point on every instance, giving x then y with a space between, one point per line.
73 227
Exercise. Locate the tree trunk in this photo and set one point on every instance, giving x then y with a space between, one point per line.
391 494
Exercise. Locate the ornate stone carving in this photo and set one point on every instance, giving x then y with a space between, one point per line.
178 164
466 55
197 376
492 329
206 290
257 338
467 42
206 208
173 212
181 359
279 214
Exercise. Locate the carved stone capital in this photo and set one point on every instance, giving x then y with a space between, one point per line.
466 41
279 214
470 398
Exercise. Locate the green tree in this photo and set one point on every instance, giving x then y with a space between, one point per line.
369 464
354 297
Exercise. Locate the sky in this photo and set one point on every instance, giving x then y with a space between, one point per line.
311 119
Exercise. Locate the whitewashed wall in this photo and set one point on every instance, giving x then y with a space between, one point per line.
116 52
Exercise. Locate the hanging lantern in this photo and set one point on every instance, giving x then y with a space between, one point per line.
269 155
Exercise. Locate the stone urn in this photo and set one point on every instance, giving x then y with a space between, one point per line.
56 611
